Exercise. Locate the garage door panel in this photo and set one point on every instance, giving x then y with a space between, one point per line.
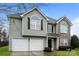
19 45
36 44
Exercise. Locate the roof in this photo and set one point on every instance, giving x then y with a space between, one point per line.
15 15
20 15
49 19
64 18
32 10
60 19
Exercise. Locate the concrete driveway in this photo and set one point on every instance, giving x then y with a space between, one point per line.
33 53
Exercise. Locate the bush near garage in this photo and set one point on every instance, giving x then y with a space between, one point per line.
65 48
47 49
3 43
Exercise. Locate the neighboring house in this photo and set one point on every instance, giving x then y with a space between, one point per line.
33 31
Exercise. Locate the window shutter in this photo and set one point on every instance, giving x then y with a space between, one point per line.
52 28
28 23
41 24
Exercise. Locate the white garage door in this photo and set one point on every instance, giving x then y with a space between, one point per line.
36 44
19 44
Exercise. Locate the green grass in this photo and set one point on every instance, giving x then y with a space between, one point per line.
4 51
67 53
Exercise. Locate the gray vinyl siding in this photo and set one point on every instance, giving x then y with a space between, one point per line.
65 35
15 28
18 29
15 31
26 31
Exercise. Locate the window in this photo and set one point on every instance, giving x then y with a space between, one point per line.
35 23
63 27
64 42
49 28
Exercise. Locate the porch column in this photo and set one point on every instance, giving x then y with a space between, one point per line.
57 43
47 41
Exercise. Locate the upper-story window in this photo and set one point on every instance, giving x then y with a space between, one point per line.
35 23
50 28
63 27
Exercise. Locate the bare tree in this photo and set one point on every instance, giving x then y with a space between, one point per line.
16 8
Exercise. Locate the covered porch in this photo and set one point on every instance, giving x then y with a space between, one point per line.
52 42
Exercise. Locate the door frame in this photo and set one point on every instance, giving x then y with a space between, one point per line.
49 43
52 43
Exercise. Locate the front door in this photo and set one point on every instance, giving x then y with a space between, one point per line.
50 43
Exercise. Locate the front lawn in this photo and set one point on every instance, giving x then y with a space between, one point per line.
67 53
4 51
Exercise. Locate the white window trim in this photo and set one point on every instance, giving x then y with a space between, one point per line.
65 30
64 42
48 29
35 22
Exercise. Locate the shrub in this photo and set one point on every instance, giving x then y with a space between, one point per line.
77 49
4 43
75 41
65 48
47 49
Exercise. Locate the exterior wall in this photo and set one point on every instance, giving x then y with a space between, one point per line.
64 35
15 31
29 32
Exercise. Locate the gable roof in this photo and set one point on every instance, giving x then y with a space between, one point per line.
51 20
22 14
64 18
32 10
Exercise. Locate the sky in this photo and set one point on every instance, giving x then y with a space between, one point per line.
56 10
70 10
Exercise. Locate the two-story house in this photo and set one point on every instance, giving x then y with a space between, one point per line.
33 31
